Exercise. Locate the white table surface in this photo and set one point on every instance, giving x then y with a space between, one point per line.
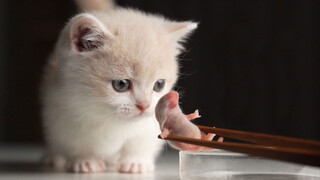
23 162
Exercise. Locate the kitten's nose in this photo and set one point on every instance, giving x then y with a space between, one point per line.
142 107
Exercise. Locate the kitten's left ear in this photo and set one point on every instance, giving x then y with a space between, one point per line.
179 31
87 33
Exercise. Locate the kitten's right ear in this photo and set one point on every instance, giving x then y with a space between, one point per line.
87 33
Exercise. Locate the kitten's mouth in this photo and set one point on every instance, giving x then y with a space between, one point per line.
135 114
143 113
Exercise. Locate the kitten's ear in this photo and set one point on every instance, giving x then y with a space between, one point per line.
179 31
87 33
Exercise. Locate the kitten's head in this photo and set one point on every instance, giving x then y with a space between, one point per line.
123 58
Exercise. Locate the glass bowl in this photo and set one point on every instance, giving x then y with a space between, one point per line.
224 165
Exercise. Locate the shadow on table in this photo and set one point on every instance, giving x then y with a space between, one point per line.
23 167
28 170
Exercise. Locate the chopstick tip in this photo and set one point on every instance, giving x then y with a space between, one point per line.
159 136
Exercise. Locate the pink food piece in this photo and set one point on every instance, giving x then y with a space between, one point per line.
173 122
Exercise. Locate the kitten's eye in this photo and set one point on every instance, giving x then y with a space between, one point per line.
158 86
121 85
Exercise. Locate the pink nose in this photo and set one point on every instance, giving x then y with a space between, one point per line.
142 107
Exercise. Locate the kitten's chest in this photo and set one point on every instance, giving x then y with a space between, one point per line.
124 129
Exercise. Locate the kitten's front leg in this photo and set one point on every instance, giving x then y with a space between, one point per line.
56 161
139 153
79 165
86 165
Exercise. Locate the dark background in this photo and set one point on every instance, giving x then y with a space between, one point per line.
251 65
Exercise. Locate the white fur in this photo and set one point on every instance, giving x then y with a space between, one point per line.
86 121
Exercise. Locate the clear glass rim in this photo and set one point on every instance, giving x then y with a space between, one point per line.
215 152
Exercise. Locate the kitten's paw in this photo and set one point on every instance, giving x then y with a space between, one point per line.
56 161
136 166
87 166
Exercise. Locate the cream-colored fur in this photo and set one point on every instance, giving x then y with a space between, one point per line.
90 127
100 5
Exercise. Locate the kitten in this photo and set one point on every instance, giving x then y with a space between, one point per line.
107 72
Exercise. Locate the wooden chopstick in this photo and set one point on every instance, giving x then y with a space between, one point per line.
272 147
263 139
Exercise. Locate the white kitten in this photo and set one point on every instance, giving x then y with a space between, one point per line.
100 87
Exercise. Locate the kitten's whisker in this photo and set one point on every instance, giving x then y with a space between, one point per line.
183 75
185 52
111 116
181 59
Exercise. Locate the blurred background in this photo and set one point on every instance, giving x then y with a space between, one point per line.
251 65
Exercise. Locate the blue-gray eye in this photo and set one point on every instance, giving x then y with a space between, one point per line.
121 85
158 86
